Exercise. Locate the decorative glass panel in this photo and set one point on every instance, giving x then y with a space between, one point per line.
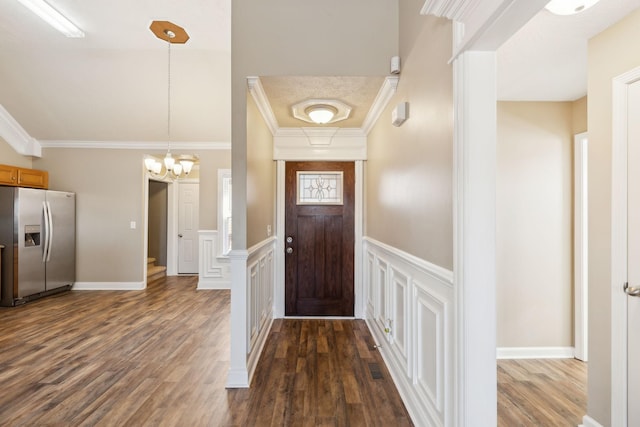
319 188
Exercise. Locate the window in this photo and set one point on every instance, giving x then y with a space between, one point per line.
224 210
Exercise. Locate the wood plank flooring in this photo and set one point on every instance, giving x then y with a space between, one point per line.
159 357
546 392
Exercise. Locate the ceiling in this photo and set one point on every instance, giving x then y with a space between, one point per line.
547 59
112 84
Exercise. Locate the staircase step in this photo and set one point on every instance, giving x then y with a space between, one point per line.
151 260
156 272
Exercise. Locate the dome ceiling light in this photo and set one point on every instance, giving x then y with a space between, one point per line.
321 111
321 114
569 7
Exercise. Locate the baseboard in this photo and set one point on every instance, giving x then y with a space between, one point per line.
108 286
213 284
535 353
587 421
238 378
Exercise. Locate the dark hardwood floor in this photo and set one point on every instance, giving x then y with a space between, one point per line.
160 357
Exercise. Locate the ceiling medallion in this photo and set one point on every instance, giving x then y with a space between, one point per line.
321 111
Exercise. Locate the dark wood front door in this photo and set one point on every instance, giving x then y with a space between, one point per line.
319 239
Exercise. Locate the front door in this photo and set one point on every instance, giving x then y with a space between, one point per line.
319 238
633 255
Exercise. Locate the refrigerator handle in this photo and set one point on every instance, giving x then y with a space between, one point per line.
45 247
50 232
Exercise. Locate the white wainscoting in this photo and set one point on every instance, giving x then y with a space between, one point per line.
260 285
409 309
214 271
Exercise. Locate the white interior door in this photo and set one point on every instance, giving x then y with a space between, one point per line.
633 256
188 208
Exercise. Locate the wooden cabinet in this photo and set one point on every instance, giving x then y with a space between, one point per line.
8 175
23 177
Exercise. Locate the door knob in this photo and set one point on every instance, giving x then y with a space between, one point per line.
179 235
632 292
289 250
289 239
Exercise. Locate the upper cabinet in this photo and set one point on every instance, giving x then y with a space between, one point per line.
22 177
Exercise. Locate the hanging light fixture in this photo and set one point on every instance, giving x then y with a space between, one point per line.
170 166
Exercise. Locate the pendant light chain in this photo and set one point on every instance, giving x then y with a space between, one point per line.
169 95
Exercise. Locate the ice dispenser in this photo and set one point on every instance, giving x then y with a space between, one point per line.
32 235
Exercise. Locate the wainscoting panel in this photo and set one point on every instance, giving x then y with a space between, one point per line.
408 309
214 271
261 280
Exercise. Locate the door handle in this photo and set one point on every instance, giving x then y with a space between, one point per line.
180 235
289 250
631 291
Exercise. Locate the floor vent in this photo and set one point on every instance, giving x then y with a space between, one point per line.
376 373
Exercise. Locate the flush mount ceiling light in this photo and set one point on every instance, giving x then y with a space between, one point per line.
321 114
569 7
52 17
321 111
180 166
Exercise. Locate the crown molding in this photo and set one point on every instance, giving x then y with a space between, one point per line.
315 143
456 10
260 97
137 145
16 136
383 97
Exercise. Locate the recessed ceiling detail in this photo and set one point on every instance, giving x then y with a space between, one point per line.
305 110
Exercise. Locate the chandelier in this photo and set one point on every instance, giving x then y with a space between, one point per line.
179 166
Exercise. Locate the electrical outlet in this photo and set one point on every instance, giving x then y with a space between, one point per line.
268 230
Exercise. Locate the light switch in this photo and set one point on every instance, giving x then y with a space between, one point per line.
132 225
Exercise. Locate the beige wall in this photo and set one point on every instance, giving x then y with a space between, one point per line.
579 115
534 239
8 156
109 198
409 168
278 38
611 53
261 177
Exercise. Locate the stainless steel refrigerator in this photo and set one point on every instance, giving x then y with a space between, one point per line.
38 229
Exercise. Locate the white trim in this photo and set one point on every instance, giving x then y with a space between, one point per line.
619 403
109 286
535 353
440 273
474 188
581 247
238 374
17 137
358 294
315 144
137 145
278 304
262 102
386 92
456 10
498 27
587 421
